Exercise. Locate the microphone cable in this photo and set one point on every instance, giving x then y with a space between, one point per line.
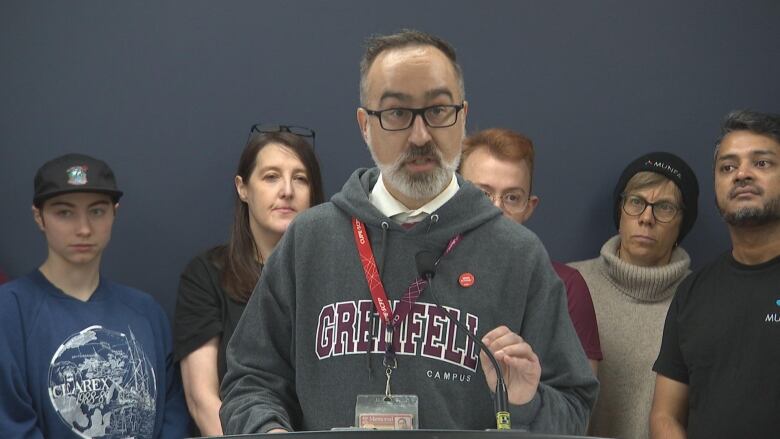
426 268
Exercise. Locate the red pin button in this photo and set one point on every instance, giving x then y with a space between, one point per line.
466 280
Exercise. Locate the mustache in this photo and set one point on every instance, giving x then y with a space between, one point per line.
427 150
742 185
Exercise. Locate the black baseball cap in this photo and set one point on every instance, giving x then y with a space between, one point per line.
74 173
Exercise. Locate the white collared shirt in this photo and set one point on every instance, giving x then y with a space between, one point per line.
395 210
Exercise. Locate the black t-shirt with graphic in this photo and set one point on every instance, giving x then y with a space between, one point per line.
722 338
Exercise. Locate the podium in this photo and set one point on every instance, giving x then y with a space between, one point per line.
407 434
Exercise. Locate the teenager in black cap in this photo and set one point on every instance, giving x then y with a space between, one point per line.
632 283
83 356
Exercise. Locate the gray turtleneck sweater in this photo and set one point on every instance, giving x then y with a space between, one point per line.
631 304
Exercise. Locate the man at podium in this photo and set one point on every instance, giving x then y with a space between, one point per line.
344 330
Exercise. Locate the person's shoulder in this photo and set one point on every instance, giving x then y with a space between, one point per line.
714 267
11 287
140 301
317 214
502 238
317 218
570 276
584 264
590 270
208 260
21 300
699 280
212 254
503 229
564 271
21 289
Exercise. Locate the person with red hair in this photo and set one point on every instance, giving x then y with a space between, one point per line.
501 163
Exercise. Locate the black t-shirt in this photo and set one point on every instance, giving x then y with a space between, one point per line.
204 310
722 338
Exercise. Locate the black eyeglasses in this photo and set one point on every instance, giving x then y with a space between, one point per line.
663 211
399 119
292 129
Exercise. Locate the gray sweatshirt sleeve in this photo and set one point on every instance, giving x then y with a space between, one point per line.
258 391
567 389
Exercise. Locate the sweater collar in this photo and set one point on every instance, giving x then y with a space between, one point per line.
645 284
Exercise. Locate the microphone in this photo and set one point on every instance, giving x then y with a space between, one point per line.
426 268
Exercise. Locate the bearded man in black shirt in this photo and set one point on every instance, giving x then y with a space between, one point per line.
717 372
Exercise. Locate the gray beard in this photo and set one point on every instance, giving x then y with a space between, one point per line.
418 186
753 216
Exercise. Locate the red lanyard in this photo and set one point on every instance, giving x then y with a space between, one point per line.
377 289
372 274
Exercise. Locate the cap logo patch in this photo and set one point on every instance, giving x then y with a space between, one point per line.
662 165
77 175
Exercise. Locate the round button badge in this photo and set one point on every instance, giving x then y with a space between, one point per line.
466 280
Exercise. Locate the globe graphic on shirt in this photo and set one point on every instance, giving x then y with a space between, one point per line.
102 385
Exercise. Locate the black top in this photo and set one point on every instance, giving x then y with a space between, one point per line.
203 309
722 338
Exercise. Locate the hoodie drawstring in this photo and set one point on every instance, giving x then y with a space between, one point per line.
383 250
434 220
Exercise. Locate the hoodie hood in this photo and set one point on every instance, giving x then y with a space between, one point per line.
468 209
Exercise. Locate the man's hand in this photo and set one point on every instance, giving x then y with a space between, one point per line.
517 360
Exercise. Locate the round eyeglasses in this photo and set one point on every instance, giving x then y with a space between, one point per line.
399 119
512 202
663 211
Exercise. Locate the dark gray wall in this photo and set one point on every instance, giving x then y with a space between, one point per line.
166 91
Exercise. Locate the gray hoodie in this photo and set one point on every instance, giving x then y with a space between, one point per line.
304 347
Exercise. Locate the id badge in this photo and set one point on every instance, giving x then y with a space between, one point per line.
380 412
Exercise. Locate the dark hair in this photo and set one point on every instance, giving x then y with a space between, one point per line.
765 124
377 44
238 263
503 144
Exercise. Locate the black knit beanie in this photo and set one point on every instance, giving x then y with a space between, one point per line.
672 167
